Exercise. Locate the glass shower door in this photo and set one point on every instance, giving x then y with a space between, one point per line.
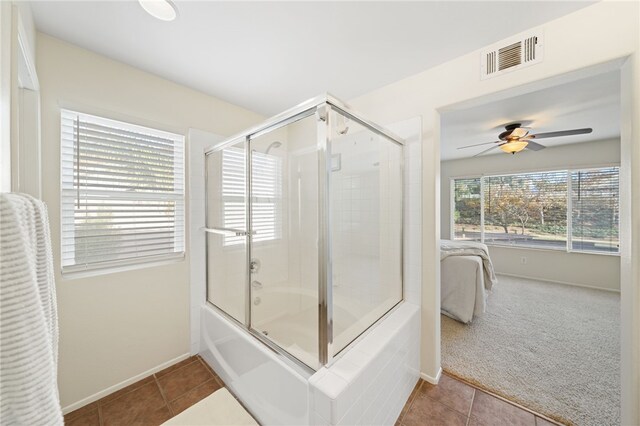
284 240
226 227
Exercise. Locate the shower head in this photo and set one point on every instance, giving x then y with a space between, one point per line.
276 144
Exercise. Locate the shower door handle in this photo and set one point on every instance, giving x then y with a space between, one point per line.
227 231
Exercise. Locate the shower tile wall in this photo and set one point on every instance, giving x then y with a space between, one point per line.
356 208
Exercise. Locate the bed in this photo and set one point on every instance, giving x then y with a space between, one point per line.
466 277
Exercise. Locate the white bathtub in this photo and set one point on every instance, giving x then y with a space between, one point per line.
369 384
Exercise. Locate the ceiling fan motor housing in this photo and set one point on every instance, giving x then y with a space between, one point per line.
509 129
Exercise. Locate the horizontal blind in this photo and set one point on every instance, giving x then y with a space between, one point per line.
122 192
526 209
467 209
266 199
595 197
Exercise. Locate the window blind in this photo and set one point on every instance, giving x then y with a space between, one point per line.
467 209
266 197
576 210
122 193
526 209
595 199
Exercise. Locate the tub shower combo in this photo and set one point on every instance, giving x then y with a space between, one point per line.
304 268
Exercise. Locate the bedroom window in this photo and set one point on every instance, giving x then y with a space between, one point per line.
595 208
467 212
122 193
573 210
527 209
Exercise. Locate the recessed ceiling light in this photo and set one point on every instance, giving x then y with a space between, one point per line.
164 10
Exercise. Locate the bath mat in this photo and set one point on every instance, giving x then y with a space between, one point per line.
219 408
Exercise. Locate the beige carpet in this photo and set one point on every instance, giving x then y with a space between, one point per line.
218 409
552 348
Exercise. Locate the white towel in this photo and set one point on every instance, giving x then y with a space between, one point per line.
28 315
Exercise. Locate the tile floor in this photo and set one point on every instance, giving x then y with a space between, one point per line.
157 398
152 400
453 402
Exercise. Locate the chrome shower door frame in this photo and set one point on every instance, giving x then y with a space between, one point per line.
321 107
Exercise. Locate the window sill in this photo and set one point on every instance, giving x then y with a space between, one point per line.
554 249
78 272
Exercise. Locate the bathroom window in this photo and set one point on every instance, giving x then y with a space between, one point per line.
266 200
122 193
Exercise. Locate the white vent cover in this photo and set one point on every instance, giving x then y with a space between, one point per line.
510 55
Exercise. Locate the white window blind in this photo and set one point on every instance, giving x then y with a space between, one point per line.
467 209
526 209
266 200
595 199
122 193
575 210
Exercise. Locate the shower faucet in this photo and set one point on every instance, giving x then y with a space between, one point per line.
254 266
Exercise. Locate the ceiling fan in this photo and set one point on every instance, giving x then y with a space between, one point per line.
515 138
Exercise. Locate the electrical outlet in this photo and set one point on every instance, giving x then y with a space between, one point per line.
523 260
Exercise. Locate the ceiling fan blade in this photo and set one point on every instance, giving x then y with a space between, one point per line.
519 132
487 150
560 133
478 144
534 146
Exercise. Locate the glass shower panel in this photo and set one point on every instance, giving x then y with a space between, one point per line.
365 203
284 241
226 230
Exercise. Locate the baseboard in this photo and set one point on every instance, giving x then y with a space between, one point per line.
111 389
558 282
432 380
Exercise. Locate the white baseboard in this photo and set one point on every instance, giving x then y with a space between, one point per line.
432 380
559 282
111 389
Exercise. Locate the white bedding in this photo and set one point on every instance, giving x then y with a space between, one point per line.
467 275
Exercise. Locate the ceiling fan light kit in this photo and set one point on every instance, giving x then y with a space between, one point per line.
516 138
514 146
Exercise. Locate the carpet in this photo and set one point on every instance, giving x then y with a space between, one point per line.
218 409
552 348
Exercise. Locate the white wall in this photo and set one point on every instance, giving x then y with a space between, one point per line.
592 270
571 44
114 327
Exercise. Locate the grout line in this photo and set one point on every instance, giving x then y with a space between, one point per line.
100 419
412 397
177 369
164 397
502 398
473 397
446 405
206 366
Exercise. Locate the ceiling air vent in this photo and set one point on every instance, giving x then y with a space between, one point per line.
511 55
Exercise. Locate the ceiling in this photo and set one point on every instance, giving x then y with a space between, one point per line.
590 102
269 56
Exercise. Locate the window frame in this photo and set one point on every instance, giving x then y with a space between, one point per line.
569 238
88 269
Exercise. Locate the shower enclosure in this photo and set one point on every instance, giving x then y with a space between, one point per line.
304 229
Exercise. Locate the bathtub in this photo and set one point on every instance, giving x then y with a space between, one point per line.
368 384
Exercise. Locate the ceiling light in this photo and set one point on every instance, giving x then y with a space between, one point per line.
164 10
514 146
